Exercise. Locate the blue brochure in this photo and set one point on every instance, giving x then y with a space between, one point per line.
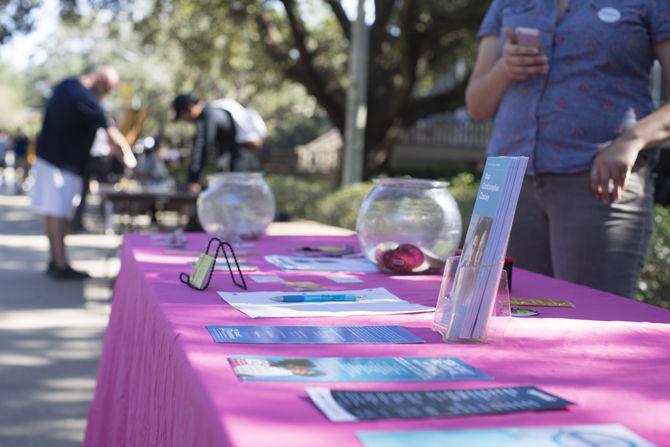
353 369
351 406
593 435
312 334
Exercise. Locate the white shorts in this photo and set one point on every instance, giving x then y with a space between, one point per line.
56 192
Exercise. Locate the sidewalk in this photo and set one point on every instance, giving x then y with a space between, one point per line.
50 332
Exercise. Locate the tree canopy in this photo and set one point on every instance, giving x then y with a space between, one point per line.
419 52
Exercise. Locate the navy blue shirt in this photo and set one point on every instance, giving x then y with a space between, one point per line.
72 117
600 55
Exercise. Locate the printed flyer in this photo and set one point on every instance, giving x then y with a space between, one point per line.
312 334
352 406
353 369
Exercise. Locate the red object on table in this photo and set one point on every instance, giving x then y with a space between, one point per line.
162 381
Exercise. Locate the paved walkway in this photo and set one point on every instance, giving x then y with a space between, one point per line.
50 332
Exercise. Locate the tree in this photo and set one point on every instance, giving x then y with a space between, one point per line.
416 52
12 105
15 17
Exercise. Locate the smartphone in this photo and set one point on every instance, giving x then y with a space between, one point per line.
528 37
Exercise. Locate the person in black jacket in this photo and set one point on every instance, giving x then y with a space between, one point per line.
235 132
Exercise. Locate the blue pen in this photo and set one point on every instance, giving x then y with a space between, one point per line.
316 298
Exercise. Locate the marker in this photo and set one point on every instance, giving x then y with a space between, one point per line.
316 298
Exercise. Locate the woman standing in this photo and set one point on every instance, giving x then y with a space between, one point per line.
578 105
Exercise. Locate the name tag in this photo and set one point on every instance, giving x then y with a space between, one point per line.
609 15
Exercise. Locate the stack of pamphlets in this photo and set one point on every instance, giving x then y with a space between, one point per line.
476 282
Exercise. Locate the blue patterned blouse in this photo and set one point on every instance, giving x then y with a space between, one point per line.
600 57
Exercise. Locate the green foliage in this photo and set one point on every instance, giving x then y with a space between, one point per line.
318 200
12 113
293 117
654 285
298 197
340 208
15 17
464 189
154 70
258 51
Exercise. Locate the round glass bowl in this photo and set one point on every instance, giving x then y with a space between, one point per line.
236 205
409 226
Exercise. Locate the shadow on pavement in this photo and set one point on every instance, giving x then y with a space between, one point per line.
50 331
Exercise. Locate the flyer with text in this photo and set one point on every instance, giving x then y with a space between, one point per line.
353 369
352 406
312 334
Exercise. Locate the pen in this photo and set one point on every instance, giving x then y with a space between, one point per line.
325 298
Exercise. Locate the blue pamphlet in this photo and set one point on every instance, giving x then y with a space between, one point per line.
351 406
465 305
312 334
353 369
593 435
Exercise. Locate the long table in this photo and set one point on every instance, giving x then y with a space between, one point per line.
162 381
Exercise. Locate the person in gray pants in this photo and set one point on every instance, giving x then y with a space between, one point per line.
568 85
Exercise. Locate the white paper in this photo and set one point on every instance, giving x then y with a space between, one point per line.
344 279
323 399
376 301
357 264
265 278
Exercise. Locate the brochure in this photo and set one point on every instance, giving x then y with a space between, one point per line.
313 334
374 301
353 369
334 251
352 406
589 435
265 279
476 281
301 263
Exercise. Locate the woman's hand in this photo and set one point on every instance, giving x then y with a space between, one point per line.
612 166
522 62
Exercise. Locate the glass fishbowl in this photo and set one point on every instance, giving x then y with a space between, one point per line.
408 226
236 205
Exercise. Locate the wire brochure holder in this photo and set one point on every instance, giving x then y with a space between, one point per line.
203 269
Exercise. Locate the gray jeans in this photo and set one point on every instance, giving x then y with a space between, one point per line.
561 230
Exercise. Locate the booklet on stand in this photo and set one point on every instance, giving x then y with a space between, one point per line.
477 277
353 369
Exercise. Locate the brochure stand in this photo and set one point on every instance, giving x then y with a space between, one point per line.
221 246
463 310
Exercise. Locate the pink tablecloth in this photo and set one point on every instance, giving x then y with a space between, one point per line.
162 381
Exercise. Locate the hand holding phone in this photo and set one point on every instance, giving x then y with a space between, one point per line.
528 37
523 56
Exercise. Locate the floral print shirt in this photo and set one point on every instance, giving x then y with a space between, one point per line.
600 57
